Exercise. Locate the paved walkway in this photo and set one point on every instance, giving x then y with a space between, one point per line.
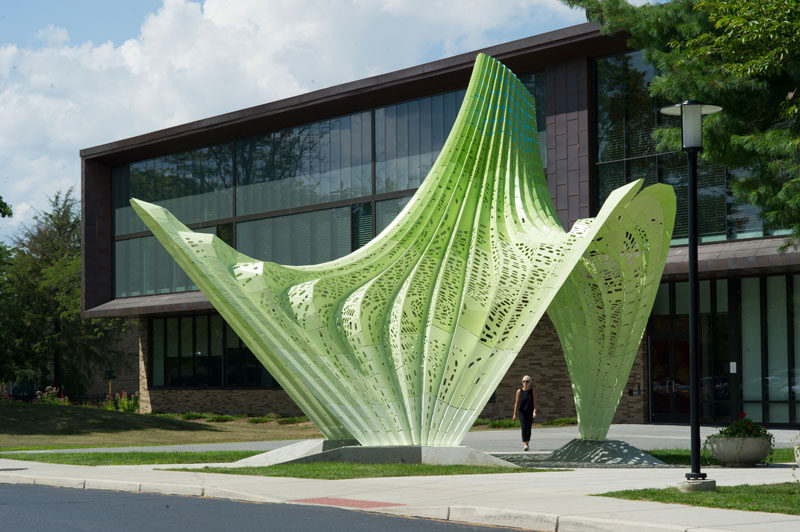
550 501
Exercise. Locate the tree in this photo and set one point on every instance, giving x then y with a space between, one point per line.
5 210
743 55
45 337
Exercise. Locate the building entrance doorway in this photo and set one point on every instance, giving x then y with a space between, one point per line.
668 343
669 382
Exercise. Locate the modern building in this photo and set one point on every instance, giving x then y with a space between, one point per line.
313 177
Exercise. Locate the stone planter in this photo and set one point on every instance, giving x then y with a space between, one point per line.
739 452
797 453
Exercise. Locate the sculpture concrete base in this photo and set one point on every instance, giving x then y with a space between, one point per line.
589 453
603 452
405 454
319 450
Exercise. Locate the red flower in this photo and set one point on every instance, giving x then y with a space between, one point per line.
742 415
748 423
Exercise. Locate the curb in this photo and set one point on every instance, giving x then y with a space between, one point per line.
476 515
539 521
136 487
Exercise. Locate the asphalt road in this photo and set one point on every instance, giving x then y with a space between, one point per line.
29 508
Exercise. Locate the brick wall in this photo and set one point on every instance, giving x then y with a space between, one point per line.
542 358
253 402
633 405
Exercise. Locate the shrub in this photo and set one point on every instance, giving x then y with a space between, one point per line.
50 396
192 415
292 420
129 403
481 421
261 419
560 422
122 401
744 427
220 418
504 423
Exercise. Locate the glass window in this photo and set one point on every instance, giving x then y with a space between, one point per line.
187 351
795 387
779 413
143 267
307 238
777 348
409 137
361 225
744 220
304 165
626 117
197 350
171 366
387 210
158 352
194 185
536 83
751 340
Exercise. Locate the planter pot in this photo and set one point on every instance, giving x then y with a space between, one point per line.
797 453
739 452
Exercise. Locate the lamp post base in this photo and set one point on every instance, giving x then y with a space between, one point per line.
695 485
695 476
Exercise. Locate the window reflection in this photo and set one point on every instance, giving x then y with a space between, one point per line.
313 163
308 237
194 185
626 118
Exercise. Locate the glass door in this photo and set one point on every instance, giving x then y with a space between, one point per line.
669 388
669 354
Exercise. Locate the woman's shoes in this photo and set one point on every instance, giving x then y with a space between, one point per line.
524 447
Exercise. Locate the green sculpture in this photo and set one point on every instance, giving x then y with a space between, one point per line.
403 341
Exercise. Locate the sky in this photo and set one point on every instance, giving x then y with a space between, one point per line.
80 73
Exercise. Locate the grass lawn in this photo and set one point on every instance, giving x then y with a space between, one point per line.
26 426
684 457
342 470
776 498
96 459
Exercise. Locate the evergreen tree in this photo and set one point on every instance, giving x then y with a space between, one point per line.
45 337
743 55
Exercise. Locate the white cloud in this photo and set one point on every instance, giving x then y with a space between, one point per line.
53 35
192 61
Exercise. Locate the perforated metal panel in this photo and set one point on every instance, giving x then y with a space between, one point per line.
403 341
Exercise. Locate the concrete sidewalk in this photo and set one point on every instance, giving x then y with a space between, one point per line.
549 501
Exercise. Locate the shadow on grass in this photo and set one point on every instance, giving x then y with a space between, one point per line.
17 418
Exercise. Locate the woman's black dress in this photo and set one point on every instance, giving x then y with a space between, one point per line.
525 412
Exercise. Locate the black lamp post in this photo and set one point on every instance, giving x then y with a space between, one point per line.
691 113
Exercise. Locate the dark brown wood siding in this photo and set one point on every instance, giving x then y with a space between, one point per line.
568 165
97 276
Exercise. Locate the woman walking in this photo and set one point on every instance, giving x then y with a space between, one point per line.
525 405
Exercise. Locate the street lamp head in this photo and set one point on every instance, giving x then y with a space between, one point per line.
691 113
